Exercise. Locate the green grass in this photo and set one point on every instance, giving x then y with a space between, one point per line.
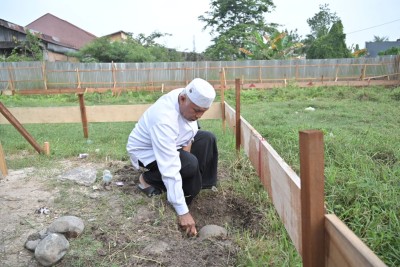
362 151
362 156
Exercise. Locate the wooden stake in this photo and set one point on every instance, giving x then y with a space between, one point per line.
7 114
3 165
83 115
223 109
312 198
46 148
237 86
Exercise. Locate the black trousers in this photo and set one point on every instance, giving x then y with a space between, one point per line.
198 167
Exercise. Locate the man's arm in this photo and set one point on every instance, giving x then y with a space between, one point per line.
163 141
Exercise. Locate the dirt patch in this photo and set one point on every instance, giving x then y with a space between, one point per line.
122 226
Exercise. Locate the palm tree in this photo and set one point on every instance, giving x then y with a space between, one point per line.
380 39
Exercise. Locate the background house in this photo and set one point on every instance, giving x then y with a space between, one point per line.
373 48
11 35
117 36
66 32
59 37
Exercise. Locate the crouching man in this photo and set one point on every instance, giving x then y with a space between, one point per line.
179 158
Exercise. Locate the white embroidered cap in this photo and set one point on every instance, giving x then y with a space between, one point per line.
200 92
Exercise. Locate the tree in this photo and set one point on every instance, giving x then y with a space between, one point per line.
357 52
390 51
331 45
140 49
233 22
380 39
28 50
322 21
278 45
320 25
151 39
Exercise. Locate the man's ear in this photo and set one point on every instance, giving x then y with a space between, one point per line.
182 97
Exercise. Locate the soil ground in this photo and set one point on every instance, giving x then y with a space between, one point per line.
123 227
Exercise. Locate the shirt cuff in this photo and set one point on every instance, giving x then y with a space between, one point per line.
181 209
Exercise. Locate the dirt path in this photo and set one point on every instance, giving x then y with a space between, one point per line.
122 226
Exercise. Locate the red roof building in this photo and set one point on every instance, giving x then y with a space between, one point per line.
66 32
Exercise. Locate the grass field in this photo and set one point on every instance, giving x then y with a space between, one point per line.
362 155
362 151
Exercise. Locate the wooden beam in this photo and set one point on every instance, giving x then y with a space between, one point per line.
112 113
312 197
7 114
3 165
277 177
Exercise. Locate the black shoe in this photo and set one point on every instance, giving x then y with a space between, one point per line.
149 191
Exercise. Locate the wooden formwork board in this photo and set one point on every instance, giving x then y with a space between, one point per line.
280 181
109 113
344 248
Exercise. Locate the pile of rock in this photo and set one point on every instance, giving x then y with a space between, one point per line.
51 244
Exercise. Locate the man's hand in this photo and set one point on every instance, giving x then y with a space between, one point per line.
186 222
188 147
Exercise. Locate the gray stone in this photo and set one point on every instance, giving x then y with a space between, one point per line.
51 249
156 248
82 176
212 230
43 233
32 244
70 226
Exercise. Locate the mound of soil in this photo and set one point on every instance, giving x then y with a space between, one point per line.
123 227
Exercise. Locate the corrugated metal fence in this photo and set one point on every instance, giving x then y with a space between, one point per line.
22 76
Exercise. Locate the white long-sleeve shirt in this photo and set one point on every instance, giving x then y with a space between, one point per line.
157 136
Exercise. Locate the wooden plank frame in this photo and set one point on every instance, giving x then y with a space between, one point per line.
341 247
279 180
108 113
344 248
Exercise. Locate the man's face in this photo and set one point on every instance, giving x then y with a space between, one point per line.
189 110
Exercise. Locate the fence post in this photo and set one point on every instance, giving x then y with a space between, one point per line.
312 198
113 68
222 78
44 75
78 78
11 81
337 72
237 88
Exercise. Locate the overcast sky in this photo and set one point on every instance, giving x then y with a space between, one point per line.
362 19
